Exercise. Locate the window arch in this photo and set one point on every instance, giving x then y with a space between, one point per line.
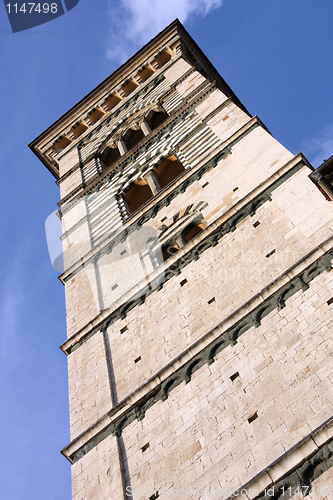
136 195
109 156
184 228
149 185
169 250
155 118
168 170
132 137
192 230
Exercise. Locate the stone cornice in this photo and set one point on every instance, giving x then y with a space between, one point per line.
80 142
173 35
169 35
204 350
190 252
157 79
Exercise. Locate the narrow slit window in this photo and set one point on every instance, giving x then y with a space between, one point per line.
270 253
253 417
145 447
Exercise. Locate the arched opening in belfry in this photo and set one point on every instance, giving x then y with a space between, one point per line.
133 137
168 170
192 230
137 195
155 118
169 250
109 156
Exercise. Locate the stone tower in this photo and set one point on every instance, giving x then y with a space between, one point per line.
197 257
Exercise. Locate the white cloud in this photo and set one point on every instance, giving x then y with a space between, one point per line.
134 22
320 147
13 302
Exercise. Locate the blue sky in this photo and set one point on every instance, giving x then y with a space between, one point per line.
277 57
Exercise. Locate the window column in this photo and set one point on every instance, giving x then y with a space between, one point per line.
181 240
145 127
151 179
122 147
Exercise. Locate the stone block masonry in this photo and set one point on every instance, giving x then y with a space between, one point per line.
198 281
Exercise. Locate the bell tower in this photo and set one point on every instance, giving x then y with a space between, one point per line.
197 272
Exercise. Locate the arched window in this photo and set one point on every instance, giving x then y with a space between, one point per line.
169 250
192 230
155 118
132 137
168 170
136 195
109 156
178 234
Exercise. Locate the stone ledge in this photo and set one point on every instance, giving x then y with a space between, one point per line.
298 467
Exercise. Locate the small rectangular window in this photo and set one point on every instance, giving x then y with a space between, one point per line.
270 253
145 447
253 417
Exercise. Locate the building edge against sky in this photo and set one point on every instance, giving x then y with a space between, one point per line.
197 271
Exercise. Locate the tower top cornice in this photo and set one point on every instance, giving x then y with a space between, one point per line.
170 44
